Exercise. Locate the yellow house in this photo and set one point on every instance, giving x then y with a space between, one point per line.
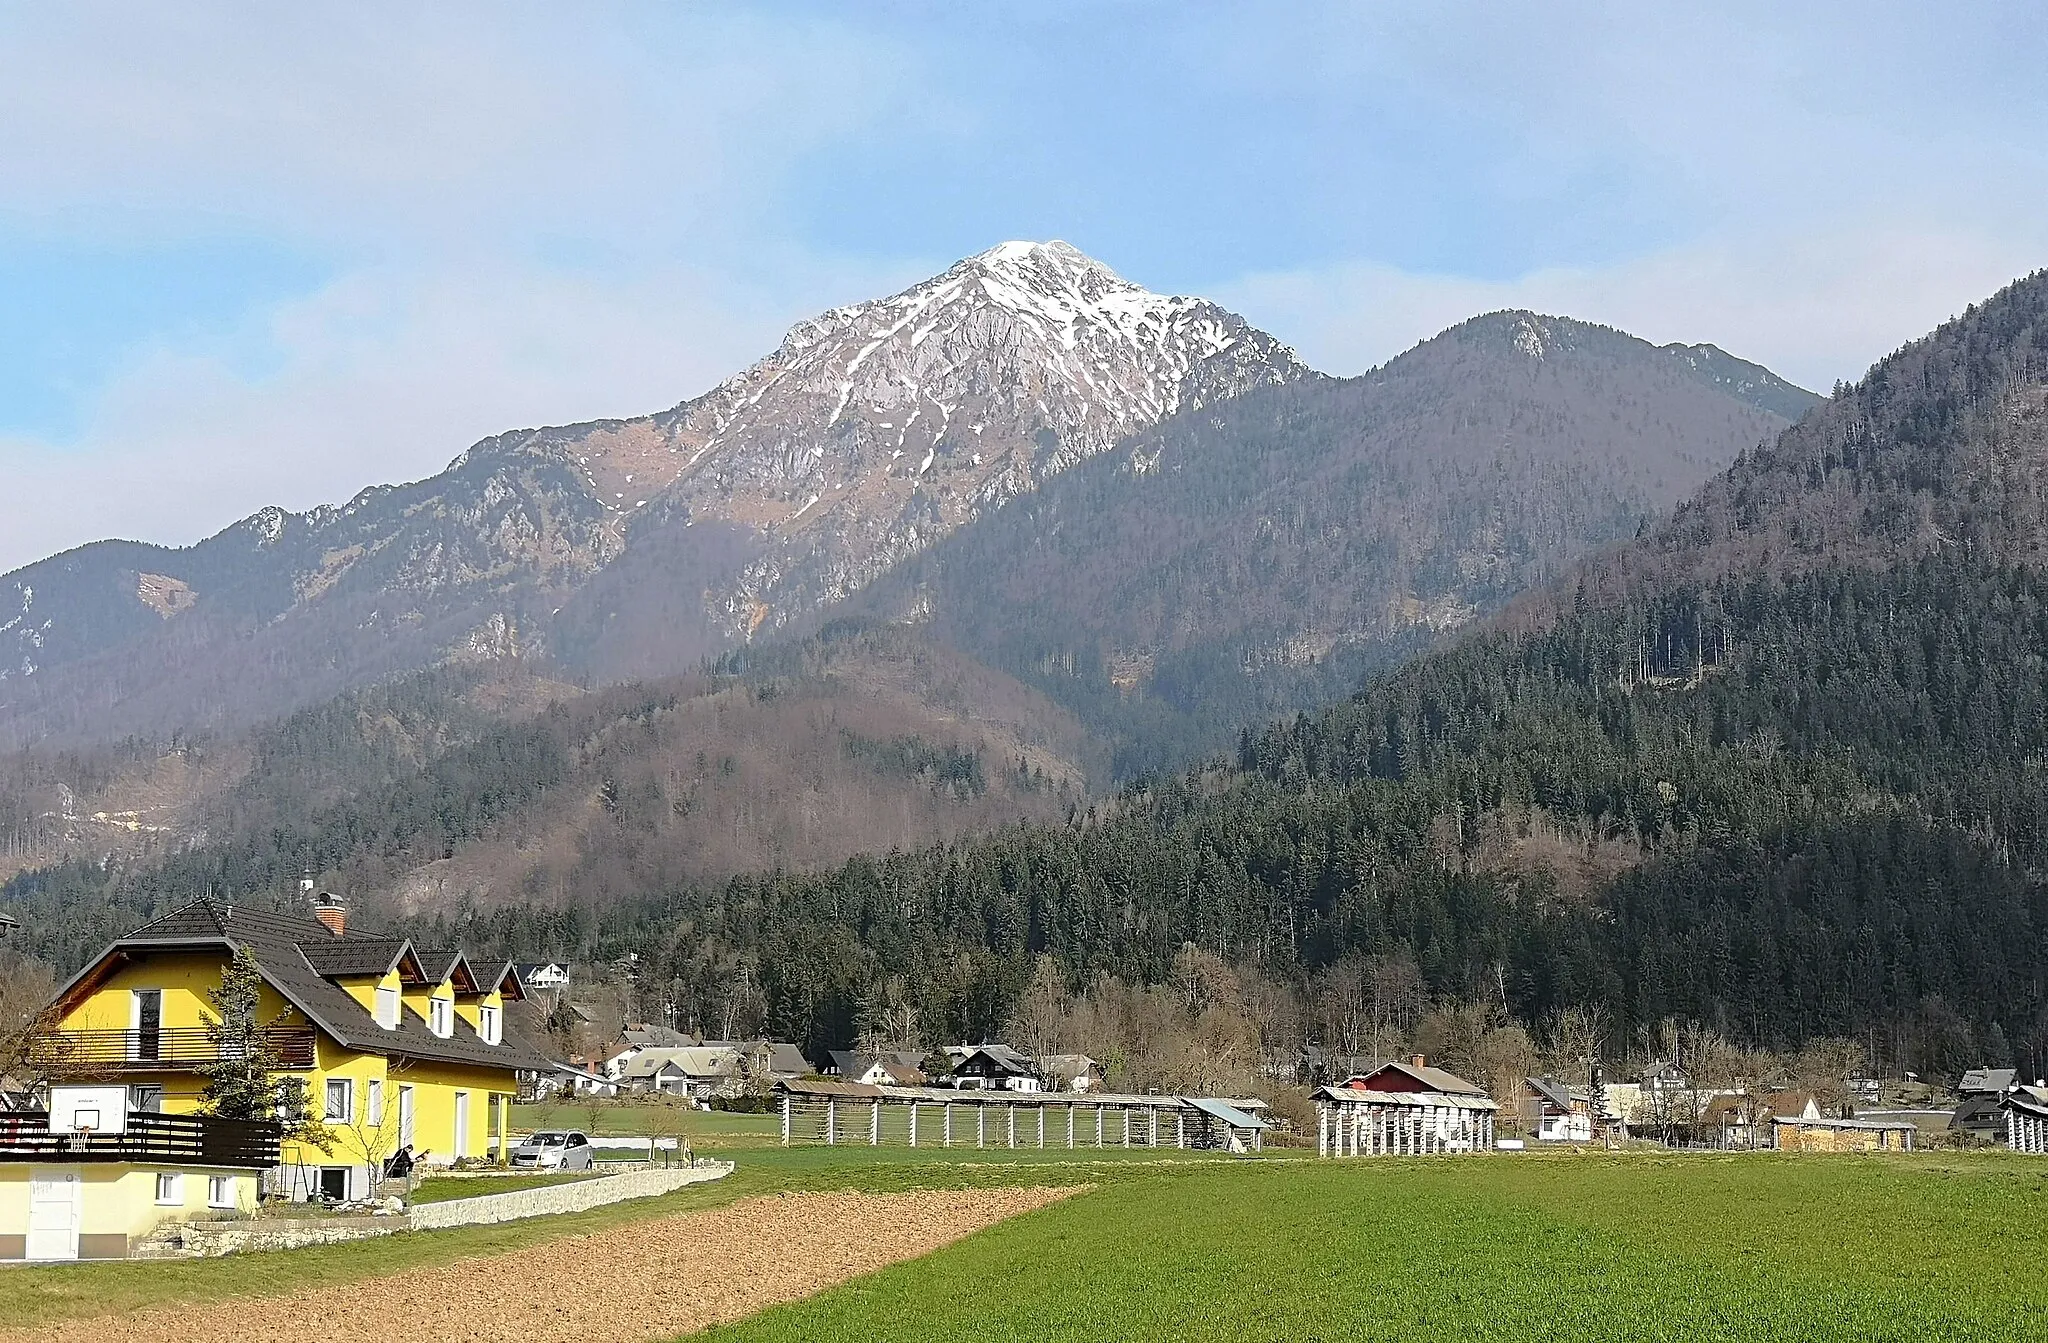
400 1048
86 1179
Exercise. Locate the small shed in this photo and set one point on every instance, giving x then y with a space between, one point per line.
1809 1133
1220 1126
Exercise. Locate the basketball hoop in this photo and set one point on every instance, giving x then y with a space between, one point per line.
79 1138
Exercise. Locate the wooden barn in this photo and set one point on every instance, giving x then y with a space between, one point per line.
1403 1109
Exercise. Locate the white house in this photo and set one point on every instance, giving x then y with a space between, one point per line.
544 975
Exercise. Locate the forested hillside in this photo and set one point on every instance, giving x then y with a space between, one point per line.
1789 801
470 787
1265 554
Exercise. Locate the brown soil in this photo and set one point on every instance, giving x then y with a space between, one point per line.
646 1280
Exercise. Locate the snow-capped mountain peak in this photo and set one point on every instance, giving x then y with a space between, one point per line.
877 427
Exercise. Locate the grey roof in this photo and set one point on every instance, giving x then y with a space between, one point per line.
357 955
688 1060
656 1037
279 943
441 965
1987 1080
783 1057
1229 1114
1004 1057
1552 1090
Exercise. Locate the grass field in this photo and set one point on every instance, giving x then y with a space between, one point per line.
706 1129
1190 1247
1623 1247
440 1189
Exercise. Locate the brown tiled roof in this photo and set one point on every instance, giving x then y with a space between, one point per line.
286 948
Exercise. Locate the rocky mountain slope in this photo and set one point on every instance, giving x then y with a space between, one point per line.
1259 556
874 430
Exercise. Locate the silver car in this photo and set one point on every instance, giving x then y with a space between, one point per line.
554 1149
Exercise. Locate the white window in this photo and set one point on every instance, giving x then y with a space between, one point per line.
487 1024
373 1103
170 1189
440 1016
387 1008
339 1102
220 1191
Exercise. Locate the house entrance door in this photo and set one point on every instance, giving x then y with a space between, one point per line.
55 1208
461 1146
405 1116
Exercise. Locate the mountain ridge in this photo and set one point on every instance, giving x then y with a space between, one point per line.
1045 355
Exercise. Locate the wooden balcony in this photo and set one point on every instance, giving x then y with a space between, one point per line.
156 1138
183 1049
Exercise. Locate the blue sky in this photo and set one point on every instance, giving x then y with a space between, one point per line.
253 256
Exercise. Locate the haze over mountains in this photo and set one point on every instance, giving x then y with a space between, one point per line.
960 556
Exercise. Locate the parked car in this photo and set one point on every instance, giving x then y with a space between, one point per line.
554 1149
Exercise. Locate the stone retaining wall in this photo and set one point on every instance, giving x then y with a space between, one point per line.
574 1196
189 1240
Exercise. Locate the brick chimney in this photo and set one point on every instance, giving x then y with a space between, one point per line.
1414 1060
331 912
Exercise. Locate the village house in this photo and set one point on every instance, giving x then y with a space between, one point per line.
1744 1121
1980 1109
636 1040
891 1068
549 976
995 1068
766 1062
1553 1111
90 1179
1070 1072
399 1047
1403 1109
700 1072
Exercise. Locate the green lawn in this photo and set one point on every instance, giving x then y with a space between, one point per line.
706 1129
37 1294
1761 1247
1173 1246
442 1188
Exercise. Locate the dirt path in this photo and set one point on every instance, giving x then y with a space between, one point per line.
646 1280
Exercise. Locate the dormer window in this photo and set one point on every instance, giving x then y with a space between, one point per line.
440 1017
387 1008
487 1025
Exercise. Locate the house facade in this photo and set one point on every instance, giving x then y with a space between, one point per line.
399 1048
1555 1111
995 1068
88 1179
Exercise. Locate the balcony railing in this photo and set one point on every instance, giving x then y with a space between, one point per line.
168 1049
157 1138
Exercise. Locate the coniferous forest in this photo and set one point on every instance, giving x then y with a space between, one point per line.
1792 800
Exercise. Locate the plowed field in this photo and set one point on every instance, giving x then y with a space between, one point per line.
645 1280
